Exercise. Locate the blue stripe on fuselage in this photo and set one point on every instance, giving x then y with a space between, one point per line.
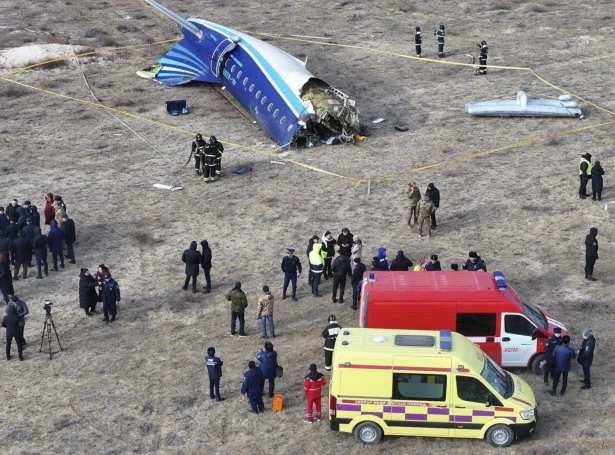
281 84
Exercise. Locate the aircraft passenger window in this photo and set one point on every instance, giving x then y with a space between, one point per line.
471 389
476 324
245 81
283 120
258 94
264 100
516 324
275 113
233 68
239 75
426 387
290 127
251 89
226 63
269 107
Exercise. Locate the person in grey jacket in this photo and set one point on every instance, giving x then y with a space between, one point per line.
22 310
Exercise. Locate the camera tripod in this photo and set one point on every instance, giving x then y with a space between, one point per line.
47 327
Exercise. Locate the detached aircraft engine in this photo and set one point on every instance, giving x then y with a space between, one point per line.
285 99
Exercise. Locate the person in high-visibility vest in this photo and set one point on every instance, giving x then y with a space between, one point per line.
316 267
585 172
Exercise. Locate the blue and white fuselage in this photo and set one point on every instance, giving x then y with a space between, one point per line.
265 80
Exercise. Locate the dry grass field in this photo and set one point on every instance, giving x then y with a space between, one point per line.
139 385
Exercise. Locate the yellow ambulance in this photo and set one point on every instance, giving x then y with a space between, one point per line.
425 383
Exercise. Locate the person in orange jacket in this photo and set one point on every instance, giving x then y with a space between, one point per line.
312 386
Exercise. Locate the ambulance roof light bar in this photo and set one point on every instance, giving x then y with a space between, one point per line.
446 340
499 280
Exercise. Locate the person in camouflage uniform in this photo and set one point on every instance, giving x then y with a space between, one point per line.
425 209
239 302
414 196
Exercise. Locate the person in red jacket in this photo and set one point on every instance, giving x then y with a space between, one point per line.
50 210
312 386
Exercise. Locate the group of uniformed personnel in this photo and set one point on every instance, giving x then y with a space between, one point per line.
207 157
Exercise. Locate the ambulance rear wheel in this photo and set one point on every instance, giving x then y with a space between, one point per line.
368 433
500 436
536 361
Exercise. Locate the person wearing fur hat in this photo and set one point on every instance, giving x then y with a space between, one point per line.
433 265
474 263
265 312
252 386
586 356
214 371
313 384
585 172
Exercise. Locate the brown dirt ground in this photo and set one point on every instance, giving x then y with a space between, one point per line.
139 385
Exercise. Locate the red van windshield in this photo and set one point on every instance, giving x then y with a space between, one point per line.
535 315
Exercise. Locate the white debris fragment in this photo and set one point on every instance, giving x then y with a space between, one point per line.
284 154
167 187
378 120
278 162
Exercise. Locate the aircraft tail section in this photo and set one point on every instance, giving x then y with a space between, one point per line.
182 64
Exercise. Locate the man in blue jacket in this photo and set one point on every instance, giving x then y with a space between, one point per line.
70 237
214 370
268 364
23 255
54 240
563 355
40 250
111 295
586 356
252 386
291 266
553 341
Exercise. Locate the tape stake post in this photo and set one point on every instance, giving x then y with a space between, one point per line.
369 187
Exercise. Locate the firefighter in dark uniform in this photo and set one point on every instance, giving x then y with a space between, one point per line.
482 59
213 142
440 37
198 150
418 40
209 166
330 335
549 367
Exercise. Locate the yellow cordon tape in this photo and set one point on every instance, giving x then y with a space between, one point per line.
299 163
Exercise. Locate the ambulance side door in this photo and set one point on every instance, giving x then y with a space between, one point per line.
421 400
470 411
516 341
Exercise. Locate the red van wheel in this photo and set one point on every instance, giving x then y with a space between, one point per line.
535 365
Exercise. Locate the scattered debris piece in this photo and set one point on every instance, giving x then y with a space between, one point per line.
358 137
284 154
242 170
402 129
177 107
278 162
167 187
378 120
308 36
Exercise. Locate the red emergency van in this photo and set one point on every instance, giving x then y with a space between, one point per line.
479 305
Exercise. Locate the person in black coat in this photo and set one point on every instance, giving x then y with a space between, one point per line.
433 265
4 245
55 239
597 173
328 247
401 262
344 242
6 279
591 253
40 251
586 356
357 277
11 233
11 323
340 269
214 371
23 254
11 209
253 386
70 237
87 292
4 220
434 195
206 264
474 263
192 258
376 265
291 266
35 216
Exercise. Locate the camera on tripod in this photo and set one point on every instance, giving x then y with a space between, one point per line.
47 306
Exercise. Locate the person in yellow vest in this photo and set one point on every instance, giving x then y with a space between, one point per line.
585 172
316 267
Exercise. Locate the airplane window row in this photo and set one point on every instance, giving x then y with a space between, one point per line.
258 95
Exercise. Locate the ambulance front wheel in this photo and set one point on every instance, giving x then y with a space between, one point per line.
536 361
368 433
500 436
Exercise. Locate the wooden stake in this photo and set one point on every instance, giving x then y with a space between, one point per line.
369 187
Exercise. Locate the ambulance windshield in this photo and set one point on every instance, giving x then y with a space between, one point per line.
535 315
498 378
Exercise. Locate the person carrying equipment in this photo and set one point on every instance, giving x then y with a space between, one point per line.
198 150
439 33
213 142
482 59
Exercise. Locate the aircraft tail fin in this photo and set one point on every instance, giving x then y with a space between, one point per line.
181 65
